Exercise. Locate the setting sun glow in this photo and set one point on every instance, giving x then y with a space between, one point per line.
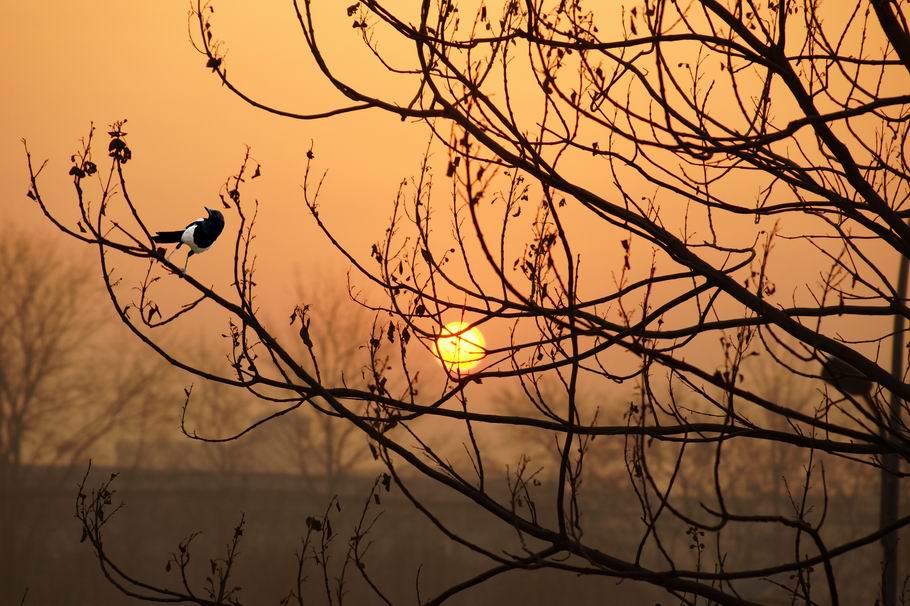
459 347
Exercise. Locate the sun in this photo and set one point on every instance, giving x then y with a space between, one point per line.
460 347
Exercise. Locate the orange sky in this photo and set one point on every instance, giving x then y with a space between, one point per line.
70 65
64 65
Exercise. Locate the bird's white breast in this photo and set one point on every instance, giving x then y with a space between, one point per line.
187 238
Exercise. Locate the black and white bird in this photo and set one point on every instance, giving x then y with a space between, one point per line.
198 235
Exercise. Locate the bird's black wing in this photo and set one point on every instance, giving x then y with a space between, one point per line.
207 231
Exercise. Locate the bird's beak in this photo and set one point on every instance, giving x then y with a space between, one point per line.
207 209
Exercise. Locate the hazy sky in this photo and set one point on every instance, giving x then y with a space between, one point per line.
69 65
65 65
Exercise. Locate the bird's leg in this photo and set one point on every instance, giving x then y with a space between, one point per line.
185 263
176 248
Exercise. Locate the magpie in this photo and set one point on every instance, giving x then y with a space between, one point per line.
198 235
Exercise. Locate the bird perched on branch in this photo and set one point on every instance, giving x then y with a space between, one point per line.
198 235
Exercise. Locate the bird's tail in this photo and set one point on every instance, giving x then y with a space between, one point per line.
167 237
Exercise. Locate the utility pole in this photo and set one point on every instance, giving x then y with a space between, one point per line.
890 493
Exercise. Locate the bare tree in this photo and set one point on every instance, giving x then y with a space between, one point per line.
704 147
329 338
65 385
322 449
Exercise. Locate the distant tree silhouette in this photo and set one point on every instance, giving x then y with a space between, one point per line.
322 449
711 147
60 391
